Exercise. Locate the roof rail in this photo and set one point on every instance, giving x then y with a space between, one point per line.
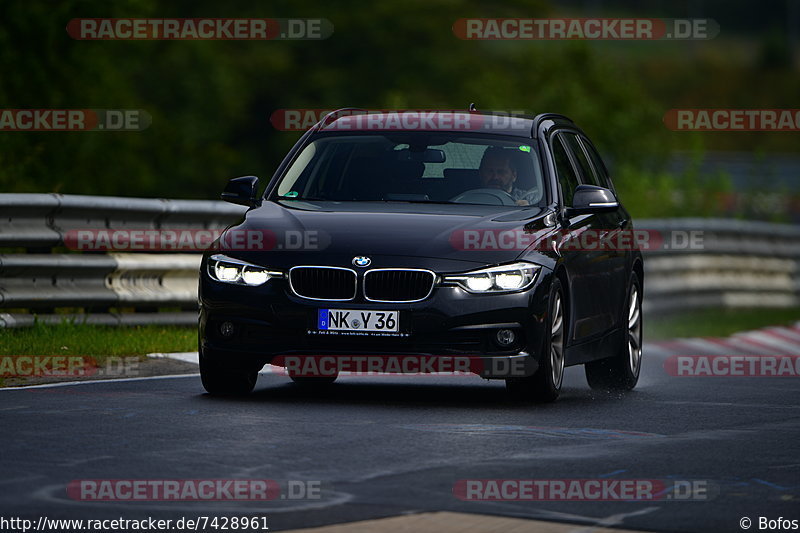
334 115
492 112
538 119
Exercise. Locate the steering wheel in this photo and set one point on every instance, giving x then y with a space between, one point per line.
484 196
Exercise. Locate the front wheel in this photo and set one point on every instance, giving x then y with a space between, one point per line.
545 385
221 381
621 372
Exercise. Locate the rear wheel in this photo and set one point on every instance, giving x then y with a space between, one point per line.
545 384
621 372
221 381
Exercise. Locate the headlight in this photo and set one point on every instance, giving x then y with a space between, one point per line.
229 270
503 278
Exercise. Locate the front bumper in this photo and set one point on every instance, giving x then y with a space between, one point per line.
270 322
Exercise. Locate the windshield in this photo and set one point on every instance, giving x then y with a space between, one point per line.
416 167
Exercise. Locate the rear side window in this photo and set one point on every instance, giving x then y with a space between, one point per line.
565 171
598 165
588 174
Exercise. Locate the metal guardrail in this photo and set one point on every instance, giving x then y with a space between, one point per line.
40 221
740 263
99 288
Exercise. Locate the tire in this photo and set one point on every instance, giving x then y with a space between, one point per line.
545 384
221 381
621 371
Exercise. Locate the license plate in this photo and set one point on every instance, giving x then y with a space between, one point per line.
357 320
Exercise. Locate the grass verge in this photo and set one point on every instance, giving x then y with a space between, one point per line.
81 339
107 346
715 322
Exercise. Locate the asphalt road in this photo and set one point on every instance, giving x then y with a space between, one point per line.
396 445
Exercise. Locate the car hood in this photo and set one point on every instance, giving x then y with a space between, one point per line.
390 234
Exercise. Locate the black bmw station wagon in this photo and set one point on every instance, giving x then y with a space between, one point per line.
433 235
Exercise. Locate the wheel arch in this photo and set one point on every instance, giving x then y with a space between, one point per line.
561 274
638 268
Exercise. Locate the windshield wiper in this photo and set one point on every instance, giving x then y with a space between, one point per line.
316 199
421 201
303 199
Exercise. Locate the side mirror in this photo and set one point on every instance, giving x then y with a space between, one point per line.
592 199
242 191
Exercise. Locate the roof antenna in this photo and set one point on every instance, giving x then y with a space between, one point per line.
472 107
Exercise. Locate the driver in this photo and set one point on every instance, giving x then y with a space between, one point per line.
497 171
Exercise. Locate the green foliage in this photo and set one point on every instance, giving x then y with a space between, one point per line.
211 101
659 194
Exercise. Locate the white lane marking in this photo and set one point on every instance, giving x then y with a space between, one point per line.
614 520
186 357
96 381
787 347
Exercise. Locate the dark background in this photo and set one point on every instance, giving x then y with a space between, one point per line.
211 100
